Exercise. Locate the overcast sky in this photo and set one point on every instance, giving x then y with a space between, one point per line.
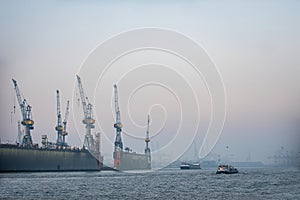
255 45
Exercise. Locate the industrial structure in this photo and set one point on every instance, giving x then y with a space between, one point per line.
19 138
27 121
147 139
51 156
65 133
61 127
58 155
118 124
88 120
127 160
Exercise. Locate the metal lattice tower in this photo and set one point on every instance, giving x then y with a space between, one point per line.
19 138
118 124
65 133
147 139
88 120
27 121
59 128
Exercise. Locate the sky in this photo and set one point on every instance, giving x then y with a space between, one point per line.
254 45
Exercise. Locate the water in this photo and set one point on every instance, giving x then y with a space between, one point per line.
258 183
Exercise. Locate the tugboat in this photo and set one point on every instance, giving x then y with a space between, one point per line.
226 169
185 165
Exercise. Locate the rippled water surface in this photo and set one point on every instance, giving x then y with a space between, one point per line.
258 183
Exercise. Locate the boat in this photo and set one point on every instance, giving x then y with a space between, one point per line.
226 169
185 165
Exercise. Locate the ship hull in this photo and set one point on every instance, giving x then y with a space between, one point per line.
15 159
227 172
190 166
131 161
226 169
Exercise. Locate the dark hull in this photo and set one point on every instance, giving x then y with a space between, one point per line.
185 167
227 172
131 161
190 166
14 159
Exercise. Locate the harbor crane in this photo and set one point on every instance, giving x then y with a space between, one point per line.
147 139
118 124
27 121
59 128
88 119
65 133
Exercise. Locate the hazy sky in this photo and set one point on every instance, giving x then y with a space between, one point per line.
255 45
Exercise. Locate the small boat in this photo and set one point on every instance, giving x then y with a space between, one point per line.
226 169
185 165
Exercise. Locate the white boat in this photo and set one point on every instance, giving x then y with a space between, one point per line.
185 165
226 169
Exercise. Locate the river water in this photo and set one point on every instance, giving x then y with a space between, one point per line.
250 183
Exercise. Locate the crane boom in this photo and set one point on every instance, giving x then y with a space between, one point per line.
27 121
59 120
19 139
20 101
148 127
117 109
66 116
89 142
82 96
118 124
59 127
65 133
147 139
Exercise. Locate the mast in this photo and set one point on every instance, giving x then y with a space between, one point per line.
65 133
59 128
19 138
118 124
147 139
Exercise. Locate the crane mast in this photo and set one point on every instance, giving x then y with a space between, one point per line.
88 118
59 128
19 138
147 139
65 133
27 121
118 124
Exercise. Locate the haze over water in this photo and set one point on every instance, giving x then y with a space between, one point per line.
254 45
